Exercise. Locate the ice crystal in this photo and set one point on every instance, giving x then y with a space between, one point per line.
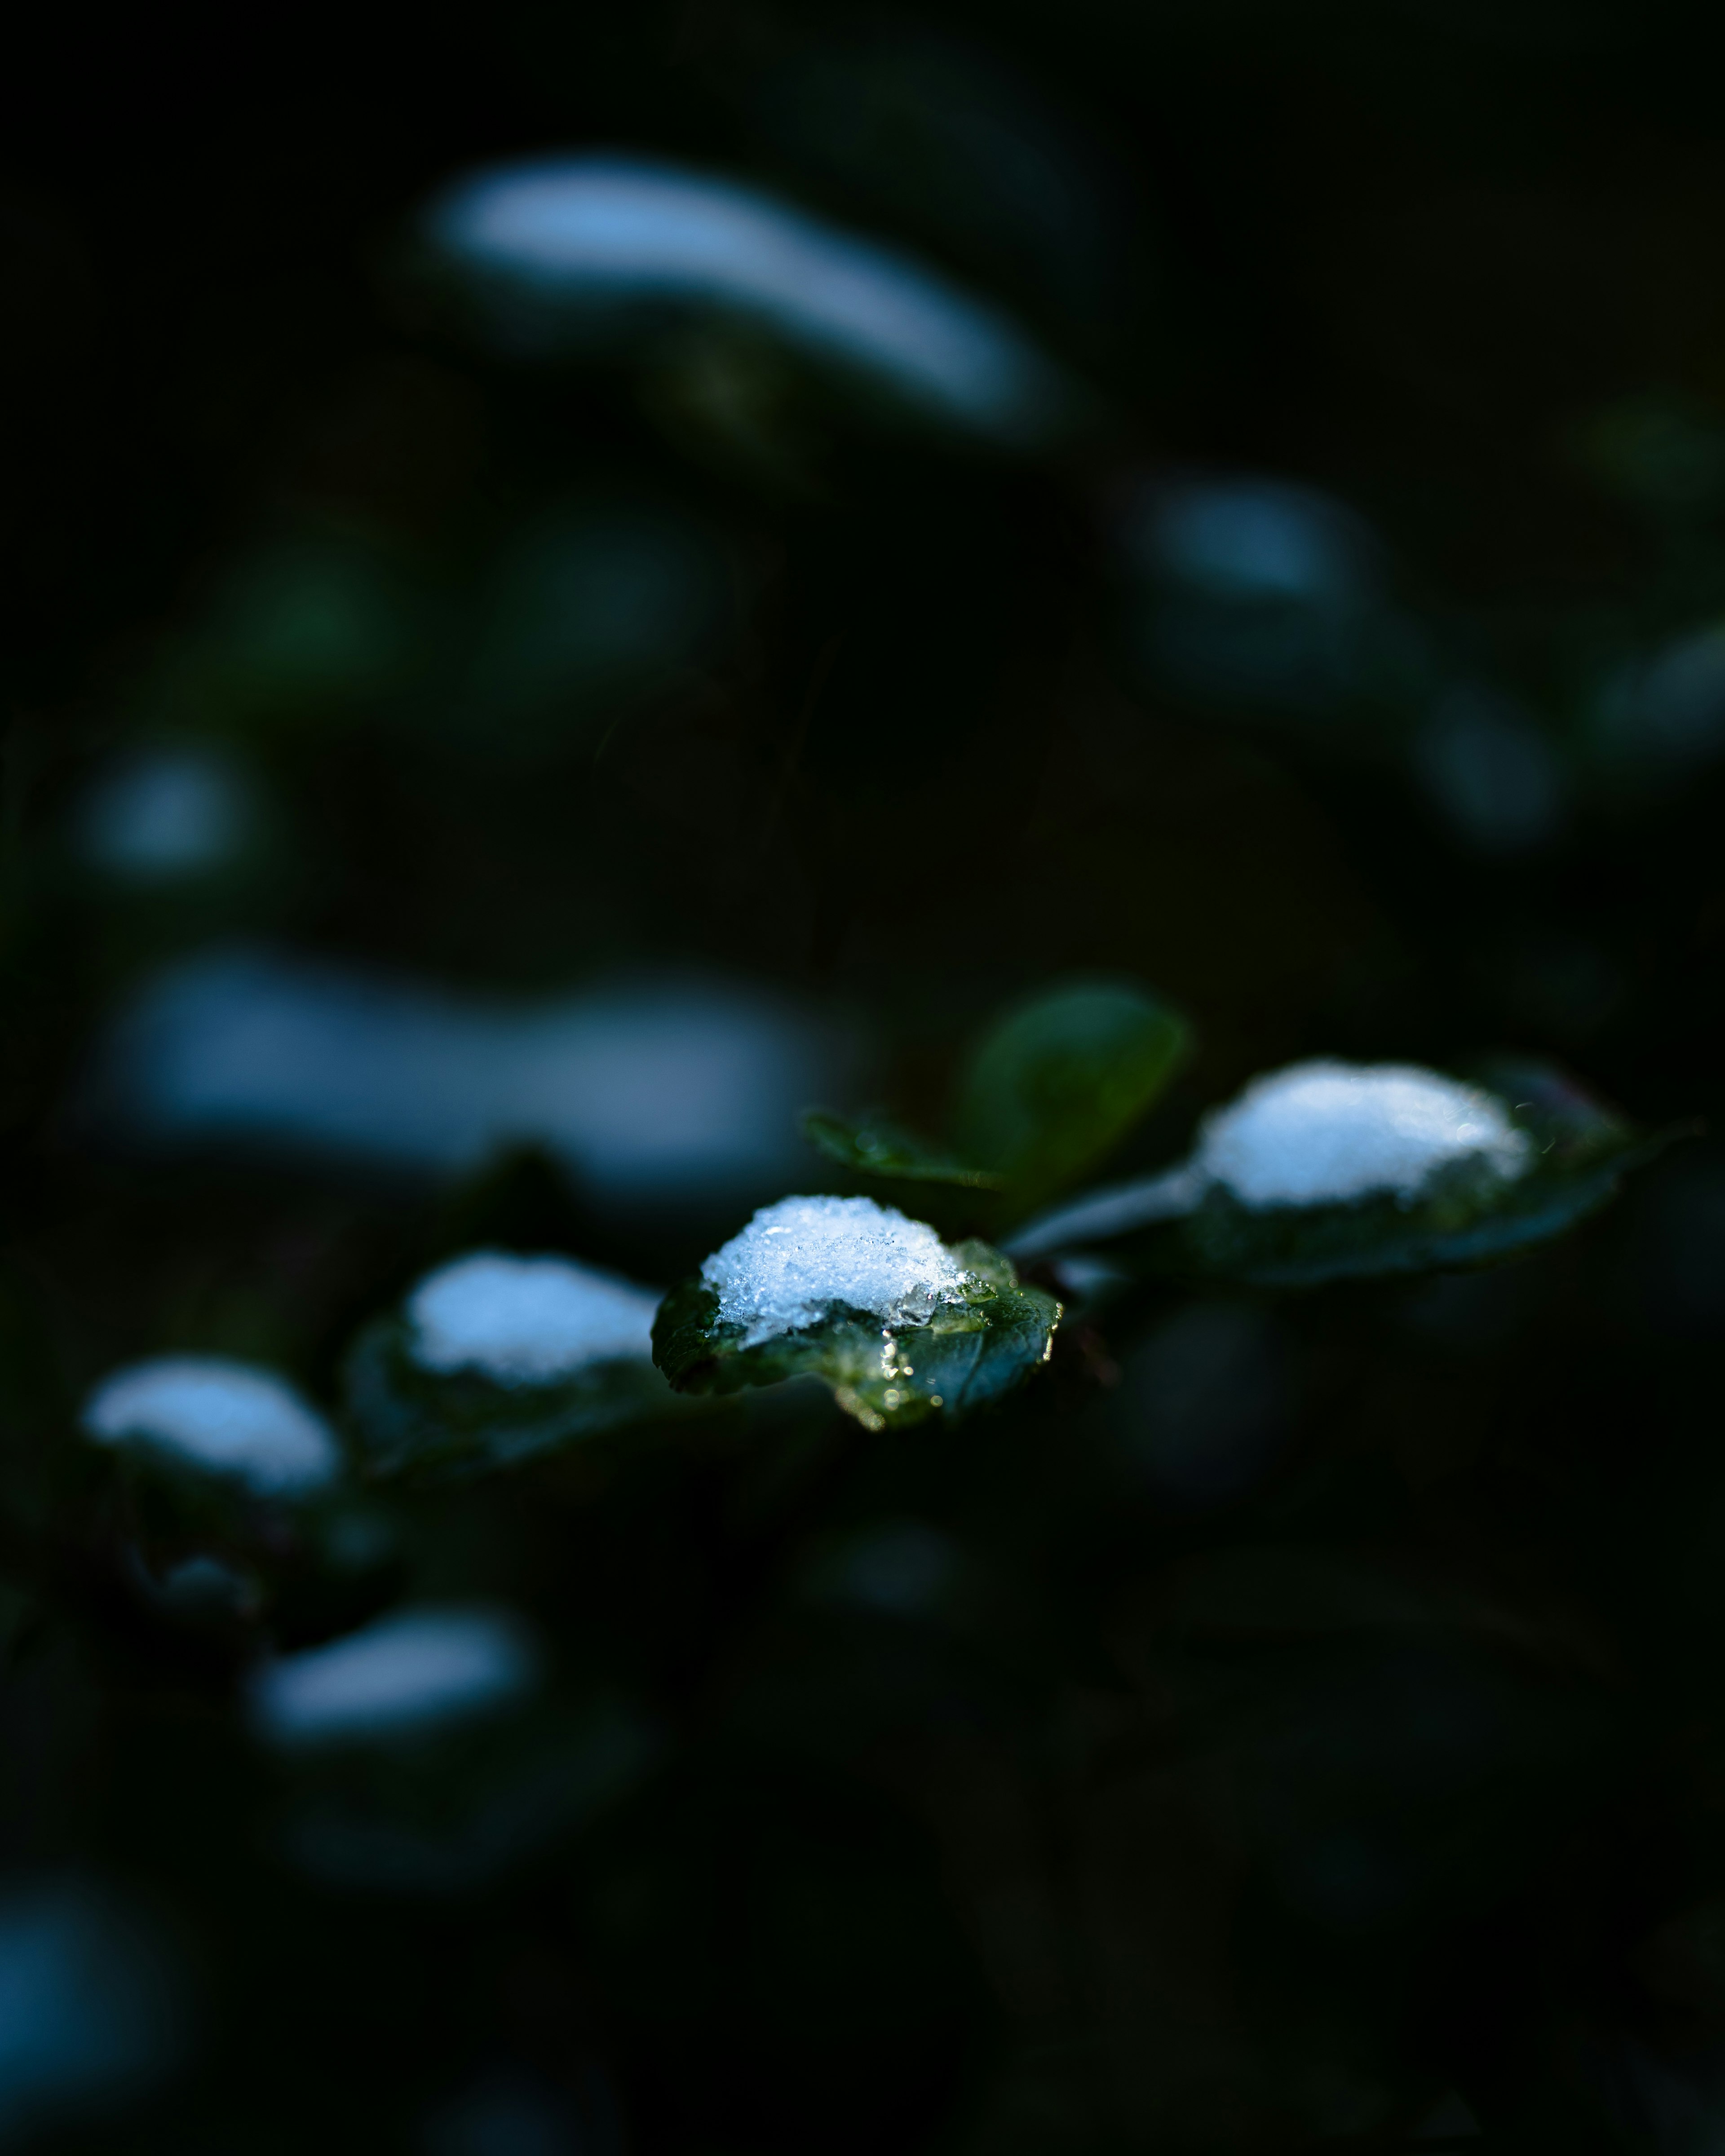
798 1259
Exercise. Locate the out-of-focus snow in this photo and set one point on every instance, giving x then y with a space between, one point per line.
407 1674
656 1089
228 1417
606 232
526 1321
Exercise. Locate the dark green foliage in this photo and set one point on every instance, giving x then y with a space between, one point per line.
1287 1721
968 1354
1062 1079
1048 1091
874 1145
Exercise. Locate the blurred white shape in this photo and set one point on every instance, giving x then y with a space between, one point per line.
605 231
658 1088
229 1418
526 1321
1250 539
795 1260
1492 769
165 815
1262 589
1324 1132
413 1672
90 2005
1667 711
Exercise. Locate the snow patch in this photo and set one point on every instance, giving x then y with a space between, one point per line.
654 1090
406 1675
610 232
526 1321
660 1089
1323 1133
229 1418
796 1259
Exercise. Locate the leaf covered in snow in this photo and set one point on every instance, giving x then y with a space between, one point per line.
495 1359
899 1324
1328 1173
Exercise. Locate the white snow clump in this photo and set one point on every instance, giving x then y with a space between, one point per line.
796 1259
661 1089
613 232
1324 1132
526 1320
229 1418
405 1675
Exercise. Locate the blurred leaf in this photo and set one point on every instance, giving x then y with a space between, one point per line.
454 1811
433 1426
874 1145
1062 1079
966 1354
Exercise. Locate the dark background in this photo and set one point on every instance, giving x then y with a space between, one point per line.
1369 1789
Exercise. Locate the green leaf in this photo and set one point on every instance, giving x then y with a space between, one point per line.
875 1145
432 1426
968 1354
1060 1080
1467 1214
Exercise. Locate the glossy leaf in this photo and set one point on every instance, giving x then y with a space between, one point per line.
431 1426
875 1145
1060 1080
966 1354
